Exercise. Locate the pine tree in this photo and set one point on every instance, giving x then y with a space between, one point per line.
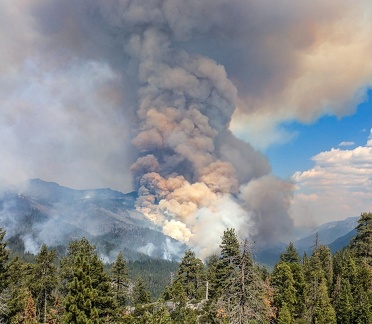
4 277
120 280
323 310
362 293
4 258
44 280
141 294
191 275
290 255
91 278
300 287
79 303
285 315
343 301
244 297
17 290
228 262
362 243
284 290
211 272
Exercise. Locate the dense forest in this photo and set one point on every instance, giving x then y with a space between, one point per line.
228 288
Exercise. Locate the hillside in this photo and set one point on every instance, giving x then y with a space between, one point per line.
39 212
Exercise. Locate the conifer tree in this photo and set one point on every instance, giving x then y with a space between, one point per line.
300 287
323 310
120 280
244 297
228 261
211 273
44 280
285 315
191 275
290 255
362 243
4 258
284 290
141 294
362 293
79 303
343 301
91 278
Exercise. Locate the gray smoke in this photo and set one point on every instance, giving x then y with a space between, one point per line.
165 69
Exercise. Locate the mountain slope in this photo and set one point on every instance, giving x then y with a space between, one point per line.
44 212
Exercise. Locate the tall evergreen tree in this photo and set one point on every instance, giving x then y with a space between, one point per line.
140 294
4 276
90 277
284 290
80 302
191 275
285 315
362 243
323 310
228 261
44 280
362 293
244 298
120 280
290 255
343 301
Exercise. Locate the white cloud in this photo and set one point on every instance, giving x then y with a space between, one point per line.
338 186
346 143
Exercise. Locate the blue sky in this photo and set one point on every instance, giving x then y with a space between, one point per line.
326 133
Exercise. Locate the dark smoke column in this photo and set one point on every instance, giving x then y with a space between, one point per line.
192 172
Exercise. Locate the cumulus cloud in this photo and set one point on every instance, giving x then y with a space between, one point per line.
339 186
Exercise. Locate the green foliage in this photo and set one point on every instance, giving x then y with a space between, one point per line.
156 274
140 294
283 284
285 315
362 243
4 257
290 255
120 280
191 276
343 301
88 288
43 280
323 310
321 289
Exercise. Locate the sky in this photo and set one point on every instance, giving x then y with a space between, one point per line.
292 80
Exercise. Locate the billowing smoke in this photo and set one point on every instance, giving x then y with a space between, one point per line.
173 76
191 169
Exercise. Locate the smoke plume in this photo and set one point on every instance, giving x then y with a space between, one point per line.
155 88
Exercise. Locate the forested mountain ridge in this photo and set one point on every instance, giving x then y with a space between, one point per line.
38 212
228 288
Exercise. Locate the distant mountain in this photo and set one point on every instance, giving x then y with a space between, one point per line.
38 212
327 234
335 234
